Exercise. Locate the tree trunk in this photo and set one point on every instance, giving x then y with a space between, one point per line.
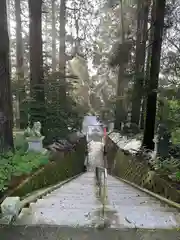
46 39
21 96
148 65
142 117
8 2
146 80
6 112
62 48
154 75
53 37
143 10
119 108
37 108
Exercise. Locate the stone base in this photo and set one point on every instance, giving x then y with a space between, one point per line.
35 144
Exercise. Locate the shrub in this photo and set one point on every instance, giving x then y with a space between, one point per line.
18 164
169 167
19 141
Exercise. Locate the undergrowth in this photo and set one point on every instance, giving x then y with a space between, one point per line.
169 167
19 163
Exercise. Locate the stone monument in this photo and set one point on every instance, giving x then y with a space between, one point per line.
34 138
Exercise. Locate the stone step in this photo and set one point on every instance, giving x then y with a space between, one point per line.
67 201
89 189
151 219
118 197
84 204
87 218
58 233
122 208
66 205
68 197
54 216
114 190
120 200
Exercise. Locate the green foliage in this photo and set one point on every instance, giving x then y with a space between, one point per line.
63 114
169 112
178 176
58 170
19 141
18 164
174 114
173 122
176 136
168 167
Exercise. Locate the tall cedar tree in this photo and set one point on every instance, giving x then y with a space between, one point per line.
119 108
6 113
62 48
37 108
53 36
20 67
148 65
154 74
143 10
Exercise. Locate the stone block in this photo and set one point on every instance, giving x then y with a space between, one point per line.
11 206
35 144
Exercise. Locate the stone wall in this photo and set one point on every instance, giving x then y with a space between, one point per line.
121 162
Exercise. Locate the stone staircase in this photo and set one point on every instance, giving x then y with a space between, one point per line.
76 205
74 211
